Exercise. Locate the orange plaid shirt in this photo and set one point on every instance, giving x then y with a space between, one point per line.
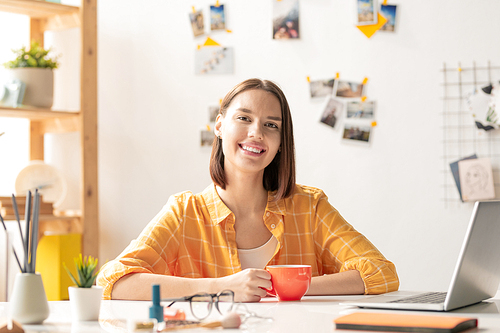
193 236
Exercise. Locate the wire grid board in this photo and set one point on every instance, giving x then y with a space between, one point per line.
461 137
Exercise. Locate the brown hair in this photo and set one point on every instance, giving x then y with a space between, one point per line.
279 175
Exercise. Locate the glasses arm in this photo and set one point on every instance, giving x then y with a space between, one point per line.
173 300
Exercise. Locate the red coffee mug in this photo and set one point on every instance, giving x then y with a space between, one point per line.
290 282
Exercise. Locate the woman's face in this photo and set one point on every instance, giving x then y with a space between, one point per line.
250 131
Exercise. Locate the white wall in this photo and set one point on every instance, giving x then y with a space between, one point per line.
152 107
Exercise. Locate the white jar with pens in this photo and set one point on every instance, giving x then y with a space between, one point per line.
28 302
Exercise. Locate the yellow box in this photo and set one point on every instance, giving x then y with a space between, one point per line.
52 252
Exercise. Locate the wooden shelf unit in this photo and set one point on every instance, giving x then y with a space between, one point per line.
48 16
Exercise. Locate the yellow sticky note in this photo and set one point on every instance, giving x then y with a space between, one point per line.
210 42
371 29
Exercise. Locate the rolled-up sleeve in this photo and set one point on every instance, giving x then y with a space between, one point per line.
343 248
154 251
379 275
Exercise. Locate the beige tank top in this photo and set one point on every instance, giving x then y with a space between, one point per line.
259 256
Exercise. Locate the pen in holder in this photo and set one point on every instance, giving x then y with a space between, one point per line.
28 301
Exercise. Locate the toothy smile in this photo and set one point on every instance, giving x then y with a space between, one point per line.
252 149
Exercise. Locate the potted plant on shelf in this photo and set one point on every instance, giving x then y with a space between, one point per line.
85 298
34 68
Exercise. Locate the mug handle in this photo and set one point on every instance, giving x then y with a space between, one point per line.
271 292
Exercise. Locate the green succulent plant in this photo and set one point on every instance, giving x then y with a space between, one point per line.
86 269
35 56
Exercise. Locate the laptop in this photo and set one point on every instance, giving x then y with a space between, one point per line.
477 271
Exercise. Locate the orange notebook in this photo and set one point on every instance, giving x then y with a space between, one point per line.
394 322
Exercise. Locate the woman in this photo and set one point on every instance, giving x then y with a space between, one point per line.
253 215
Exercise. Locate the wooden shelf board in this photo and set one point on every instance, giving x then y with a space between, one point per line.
37 8
44 218
56 225
35 113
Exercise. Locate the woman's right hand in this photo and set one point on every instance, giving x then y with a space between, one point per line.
248 285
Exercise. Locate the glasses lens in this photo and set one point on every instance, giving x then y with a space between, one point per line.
225 301
201 305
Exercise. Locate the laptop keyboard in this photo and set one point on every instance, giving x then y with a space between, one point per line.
428 298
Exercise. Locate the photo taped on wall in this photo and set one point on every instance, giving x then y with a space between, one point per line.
197 23
207 138
213 111
389 12
366 12
214 60
357 133
286 19
360 109
332 111
349 89
321 88
217 18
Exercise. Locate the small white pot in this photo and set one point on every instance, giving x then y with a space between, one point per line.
28 300
85 303
39 89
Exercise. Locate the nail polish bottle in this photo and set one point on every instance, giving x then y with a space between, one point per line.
156 310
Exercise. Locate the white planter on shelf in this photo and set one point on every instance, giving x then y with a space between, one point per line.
85 303
39 89
28 300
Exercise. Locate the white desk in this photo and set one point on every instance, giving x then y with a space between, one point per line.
311 315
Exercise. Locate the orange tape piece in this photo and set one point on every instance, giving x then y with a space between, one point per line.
337 75
365 80
230 31
363 98
217 3
374 123
308 79
194 10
